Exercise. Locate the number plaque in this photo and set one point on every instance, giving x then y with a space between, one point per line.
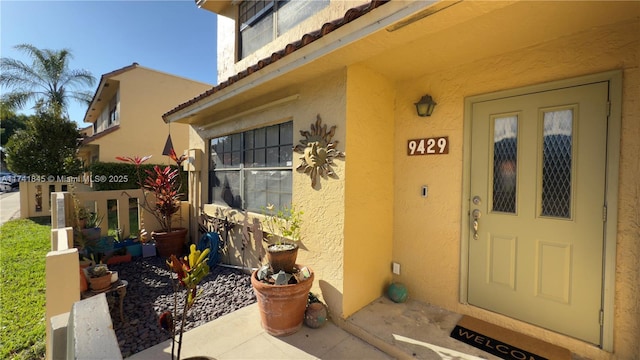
428 146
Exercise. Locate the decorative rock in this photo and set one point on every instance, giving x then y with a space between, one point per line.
397 292
150 293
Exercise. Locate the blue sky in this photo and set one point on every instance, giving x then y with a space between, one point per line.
170 36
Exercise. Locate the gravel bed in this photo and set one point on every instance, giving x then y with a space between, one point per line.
150 293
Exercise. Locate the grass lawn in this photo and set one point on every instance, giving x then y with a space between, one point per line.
24 244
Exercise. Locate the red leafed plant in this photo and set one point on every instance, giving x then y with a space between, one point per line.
165 183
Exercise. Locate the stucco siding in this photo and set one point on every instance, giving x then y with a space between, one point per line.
144 96
323 229
369 187
427 231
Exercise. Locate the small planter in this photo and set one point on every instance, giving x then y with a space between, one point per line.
135 250
100 283
117 259
133 247
84 285
91 235
148 250
282 307
282 257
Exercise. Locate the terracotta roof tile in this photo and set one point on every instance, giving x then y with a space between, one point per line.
306 39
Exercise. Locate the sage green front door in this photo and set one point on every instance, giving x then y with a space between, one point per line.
537 195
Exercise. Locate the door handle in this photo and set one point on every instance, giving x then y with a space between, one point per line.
475 214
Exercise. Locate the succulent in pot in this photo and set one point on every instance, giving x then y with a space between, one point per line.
283 227
88 229
99 277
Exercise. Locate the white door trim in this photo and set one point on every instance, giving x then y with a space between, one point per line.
613 159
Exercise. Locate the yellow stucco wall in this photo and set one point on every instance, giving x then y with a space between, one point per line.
323 229
368 199
145 95
446 56
427 231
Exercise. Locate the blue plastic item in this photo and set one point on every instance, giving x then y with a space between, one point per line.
211 240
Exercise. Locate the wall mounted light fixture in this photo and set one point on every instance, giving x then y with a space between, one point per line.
425 106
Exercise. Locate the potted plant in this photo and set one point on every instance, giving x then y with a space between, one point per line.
189 271
165 184
282 286
99 277
91 221
88 227
283 229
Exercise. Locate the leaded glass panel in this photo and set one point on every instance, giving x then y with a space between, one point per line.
505 161
556 163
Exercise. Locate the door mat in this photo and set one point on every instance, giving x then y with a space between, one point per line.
504 343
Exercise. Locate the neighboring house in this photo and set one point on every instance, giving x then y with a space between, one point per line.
126 114
516 201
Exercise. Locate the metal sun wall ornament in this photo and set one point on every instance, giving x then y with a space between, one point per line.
318 152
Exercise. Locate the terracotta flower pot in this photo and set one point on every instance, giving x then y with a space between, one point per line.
282 257
282 307
100 283
170 243
84 285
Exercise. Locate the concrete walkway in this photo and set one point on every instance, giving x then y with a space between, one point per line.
239 335
412 330
9 206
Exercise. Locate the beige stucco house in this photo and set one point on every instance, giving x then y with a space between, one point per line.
517 201
126 114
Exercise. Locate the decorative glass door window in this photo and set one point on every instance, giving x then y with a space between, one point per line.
557 160
505 163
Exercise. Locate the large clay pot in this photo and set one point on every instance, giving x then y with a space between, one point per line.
282 257
170 243
282 307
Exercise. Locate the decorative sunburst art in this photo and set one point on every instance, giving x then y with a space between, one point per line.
318 152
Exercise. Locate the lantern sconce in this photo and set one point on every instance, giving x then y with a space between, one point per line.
425 106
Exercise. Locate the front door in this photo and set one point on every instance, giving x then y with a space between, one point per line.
537 208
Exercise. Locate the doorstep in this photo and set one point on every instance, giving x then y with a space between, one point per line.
411 330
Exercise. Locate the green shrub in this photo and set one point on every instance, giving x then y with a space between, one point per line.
122 176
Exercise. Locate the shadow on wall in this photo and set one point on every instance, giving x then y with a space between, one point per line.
333 298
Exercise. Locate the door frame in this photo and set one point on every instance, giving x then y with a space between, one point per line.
611 183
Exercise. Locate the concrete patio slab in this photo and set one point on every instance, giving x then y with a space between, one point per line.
239 335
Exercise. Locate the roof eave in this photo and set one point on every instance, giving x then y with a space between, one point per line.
392 13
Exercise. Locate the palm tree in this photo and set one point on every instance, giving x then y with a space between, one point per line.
48 81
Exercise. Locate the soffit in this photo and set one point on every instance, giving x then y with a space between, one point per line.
215 6
427 39
106 89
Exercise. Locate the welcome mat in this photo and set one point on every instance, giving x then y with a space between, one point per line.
504 343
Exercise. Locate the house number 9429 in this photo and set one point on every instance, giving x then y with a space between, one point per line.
428 146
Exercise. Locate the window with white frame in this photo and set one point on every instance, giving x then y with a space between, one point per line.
261 21
252 169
